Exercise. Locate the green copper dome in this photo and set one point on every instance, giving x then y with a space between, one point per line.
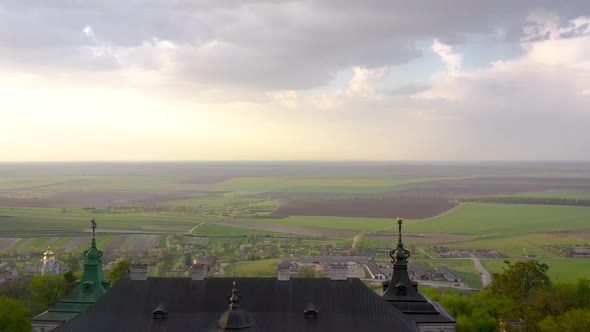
93 254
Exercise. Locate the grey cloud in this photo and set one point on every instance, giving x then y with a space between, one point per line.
576 32
268 44
409 89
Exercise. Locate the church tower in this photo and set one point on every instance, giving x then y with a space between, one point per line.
403 293
87 291
50 264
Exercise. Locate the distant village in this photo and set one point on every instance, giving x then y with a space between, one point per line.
295 258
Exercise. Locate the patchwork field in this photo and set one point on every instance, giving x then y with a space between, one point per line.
140 206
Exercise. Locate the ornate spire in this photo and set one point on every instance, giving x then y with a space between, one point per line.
400 287
93 280
93 225
399 255
93 255
234 298
235 318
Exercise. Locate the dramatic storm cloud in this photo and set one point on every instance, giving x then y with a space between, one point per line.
255 79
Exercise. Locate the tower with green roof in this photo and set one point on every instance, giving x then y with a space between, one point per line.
87 291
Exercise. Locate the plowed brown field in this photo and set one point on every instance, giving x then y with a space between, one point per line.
411 208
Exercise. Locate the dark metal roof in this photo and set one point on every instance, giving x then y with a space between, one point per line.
271 305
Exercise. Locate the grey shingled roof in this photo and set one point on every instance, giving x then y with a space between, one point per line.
197 305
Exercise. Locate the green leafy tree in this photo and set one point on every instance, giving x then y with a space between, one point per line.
523 293
46 291
575 320
553 301
15 316
511 291
583 291
15 289
120 271
466 309
70 280
305 272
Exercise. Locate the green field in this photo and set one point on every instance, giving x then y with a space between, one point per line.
253 185
558 193
211 229
260 268
77 220
566 270
97 183
486 219
360 224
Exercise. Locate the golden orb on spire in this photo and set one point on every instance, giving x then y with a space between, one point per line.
400 220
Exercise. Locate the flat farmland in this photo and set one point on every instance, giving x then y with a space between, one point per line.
505 219
45 221
253 185
345 223
536 244
7 243
264 228
483 186
89 183
80 199
558 193
129 242
144 242
566 270
116 243
385 207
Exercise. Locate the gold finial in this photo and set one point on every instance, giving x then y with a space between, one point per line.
234 283
400 220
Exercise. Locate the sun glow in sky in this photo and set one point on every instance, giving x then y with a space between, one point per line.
293 80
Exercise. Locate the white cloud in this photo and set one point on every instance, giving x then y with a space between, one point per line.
452 60
88 31
219 79
287 98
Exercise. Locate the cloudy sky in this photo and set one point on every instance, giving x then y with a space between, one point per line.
291 80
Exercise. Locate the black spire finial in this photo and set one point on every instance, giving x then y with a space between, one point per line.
235 318
234 298
399 254
93 224
399 222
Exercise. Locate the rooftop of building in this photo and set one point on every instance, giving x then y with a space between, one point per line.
270 305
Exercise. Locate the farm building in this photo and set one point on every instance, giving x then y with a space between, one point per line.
578 252
447 274
417 272
378 272
467 252
266 304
